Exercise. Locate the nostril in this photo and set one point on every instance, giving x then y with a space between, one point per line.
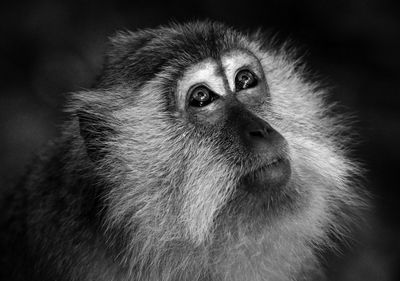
256 134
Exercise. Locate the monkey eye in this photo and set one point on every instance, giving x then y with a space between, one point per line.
201 96
245 79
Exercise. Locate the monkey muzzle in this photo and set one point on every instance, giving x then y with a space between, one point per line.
269 147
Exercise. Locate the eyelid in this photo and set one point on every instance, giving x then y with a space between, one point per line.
196 85
246 67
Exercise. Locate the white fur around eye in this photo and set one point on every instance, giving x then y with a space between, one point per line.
233 61
205 73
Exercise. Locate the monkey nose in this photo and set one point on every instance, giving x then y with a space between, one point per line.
260 137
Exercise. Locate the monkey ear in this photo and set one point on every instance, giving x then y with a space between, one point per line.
95 133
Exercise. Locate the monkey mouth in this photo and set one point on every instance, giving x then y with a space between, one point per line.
275 173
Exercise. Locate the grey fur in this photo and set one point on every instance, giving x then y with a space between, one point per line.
132 191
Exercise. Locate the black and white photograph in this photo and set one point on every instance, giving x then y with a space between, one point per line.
200 140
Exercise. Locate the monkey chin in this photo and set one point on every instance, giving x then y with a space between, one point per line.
263 195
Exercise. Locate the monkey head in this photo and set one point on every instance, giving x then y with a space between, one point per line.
214 142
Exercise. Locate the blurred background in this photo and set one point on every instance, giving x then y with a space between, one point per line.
48 48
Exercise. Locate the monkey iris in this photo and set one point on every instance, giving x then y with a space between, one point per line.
201 96
245 79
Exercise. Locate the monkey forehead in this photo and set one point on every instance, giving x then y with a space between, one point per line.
206 73
235 60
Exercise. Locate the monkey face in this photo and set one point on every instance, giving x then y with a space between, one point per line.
223 99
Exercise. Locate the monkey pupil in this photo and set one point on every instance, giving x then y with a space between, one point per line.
244 79
201 95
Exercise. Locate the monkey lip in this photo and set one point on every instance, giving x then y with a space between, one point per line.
275 173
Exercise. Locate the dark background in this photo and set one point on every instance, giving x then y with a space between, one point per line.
48 48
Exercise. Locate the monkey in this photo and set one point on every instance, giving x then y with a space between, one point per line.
202 152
